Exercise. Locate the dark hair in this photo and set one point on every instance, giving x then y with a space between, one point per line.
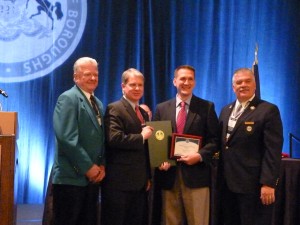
188 67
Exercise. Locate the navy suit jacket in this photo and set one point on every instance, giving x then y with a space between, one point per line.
201 121
128 166
252 154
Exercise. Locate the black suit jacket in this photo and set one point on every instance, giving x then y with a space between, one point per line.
127 162
252 155
201 121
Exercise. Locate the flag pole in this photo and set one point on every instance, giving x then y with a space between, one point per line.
256 55
255 71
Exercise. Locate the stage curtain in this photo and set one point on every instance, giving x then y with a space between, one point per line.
155 36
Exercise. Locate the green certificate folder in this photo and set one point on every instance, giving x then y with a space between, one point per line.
160 143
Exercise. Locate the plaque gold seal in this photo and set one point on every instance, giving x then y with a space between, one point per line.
160 135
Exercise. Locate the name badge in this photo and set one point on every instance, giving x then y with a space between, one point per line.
232 122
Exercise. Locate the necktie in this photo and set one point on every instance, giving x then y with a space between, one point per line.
139 114
181 117
238 111
96 109
94 105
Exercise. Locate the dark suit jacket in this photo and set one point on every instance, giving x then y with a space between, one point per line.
252 155
79 138
127 156
201 121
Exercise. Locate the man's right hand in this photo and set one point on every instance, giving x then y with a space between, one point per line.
164 166
96 173
147 132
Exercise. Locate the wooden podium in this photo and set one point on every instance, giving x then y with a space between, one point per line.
8 129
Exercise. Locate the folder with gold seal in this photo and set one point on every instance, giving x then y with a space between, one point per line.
160 143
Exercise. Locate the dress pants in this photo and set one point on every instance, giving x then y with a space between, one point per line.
123 207
244 209
75 205
185 204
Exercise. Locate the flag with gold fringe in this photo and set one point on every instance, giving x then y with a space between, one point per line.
256 73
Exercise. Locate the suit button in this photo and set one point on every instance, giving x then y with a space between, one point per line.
226 147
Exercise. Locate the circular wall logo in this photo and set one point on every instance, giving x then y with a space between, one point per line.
36 36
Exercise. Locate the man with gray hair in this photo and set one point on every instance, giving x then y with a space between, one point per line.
250 154
79 156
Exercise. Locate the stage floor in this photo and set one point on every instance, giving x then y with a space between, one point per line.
30 214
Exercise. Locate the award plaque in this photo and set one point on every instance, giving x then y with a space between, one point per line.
184 144
160 142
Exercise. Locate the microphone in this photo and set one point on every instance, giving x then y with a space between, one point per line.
3 93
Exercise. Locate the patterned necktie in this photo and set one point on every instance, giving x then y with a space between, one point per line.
139 114
94 105
181 118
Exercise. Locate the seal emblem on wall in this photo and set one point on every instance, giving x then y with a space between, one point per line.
37 36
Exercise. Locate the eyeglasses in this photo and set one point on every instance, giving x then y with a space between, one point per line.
134 86
90 75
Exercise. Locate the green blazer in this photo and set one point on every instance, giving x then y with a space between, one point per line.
79 138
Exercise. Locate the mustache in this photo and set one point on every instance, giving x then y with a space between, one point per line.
244 89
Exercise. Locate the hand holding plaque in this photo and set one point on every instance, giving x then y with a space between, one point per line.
184 144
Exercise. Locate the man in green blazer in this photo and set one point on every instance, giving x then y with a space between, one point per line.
79 156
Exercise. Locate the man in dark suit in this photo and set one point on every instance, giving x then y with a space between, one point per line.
186 185
251 154
128 170
79 157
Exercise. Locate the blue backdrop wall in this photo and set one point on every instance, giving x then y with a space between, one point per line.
154 36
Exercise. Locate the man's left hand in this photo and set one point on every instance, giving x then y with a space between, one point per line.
267 195
190 159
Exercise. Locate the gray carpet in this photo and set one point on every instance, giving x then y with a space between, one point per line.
29 214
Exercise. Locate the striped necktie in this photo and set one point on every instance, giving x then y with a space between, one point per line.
139 114
181 118
238 111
